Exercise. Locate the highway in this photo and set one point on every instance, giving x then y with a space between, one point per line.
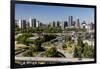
52 59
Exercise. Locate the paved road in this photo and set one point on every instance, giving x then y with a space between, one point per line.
59 48
20 55
52 59
40 54
65 53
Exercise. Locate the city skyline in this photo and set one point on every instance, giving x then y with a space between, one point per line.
42 13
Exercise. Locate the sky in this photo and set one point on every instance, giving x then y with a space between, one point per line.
48 14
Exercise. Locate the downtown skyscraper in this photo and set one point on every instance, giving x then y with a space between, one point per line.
70 21
33 22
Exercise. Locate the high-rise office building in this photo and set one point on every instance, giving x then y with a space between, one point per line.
27 24
73 24
18 22
92 26
37 23
40 24
65 24
70 21
77 25
32 22
58 24
53 24
23 24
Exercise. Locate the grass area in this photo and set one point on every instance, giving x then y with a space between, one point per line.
19 45
29 53
69 47
35 54
20 49
48 44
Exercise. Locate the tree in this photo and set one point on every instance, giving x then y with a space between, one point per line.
28 53
24 38
36 49
80 42
49 37
32 51
38 41
52 52
68 38
78 52
64 46
88 51
52 30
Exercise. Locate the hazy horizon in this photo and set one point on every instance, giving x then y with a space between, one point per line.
47 14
